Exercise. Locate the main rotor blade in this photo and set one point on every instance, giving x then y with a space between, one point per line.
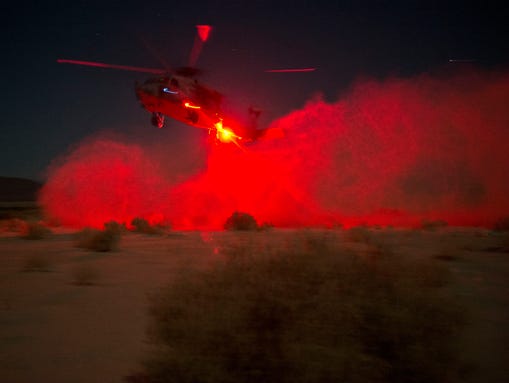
290 70
202 35
151 48
112 66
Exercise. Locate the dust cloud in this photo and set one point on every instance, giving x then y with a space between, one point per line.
391 152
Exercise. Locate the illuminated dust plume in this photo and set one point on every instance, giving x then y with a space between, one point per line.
392 152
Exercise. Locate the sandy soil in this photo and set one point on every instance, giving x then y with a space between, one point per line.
68 314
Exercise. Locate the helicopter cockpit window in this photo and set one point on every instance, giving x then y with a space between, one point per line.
169 91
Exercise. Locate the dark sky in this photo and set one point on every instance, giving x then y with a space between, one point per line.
48 107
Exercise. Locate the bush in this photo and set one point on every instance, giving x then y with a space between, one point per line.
505 243
35 230
433 225
141 225
115 227
241 221
311 313
97 240
502 224
14 225
360 234
266 226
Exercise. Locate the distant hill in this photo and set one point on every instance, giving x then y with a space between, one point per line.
18 189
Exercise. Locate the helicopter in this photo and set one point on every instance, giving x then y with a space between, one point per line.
178 94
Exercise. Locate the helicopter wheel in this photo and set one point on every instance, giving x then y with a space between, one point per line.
157 120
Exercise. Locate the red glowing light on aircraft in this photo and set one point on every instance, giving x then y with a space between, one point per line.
201 37
203 32
225 135
191 106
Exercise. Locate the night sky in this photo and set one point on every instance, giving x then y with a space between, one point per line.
48 107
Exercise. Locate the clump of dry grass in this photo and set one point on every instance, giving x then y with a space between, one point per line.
360 234
98 240
505 243
433 224
502 224
266 226
35 231
13 225
307 312
141 225
241 221
115 227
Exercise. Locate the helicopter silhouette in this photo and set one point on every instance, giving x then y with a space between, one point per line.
177 93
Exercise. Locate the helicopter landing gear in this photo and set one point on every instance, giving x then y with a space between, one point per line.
157 120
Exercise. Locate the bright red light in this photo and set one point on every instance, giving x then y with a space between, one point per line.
203 32
191 106
201 37
225 135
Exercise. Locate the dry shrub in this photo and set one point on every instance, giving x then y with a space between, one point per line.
241 221
359 234
115 227
505 243
97 240
141 225
266 226
310 312
35 230
433 225
14 225
502 224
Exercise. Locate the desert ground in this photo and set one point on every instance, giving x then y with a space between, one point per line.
74 315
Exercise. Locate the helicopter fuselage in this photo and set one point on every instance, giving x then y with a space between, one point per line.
181 98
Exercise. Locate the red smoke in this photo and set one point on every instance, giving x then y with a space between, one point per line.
104 180
393 152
